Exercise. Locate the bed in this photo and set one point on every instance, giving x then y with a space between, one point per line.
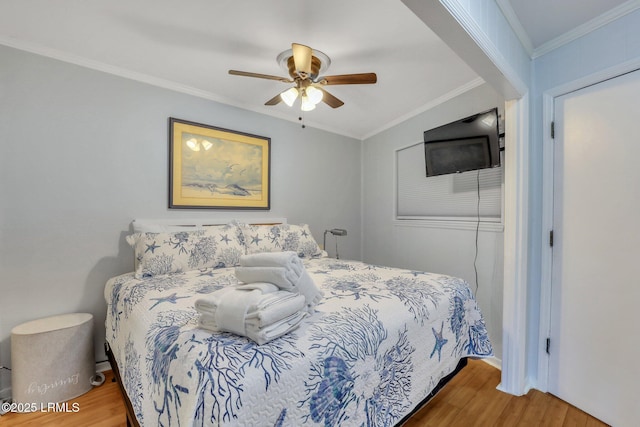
381 342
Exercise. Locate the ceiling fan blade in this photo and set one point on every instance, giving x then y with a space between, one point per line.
349 79
274 101
302 58
260 76
330 100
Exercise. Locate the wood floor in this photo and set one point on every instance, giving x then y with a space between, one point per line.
470 399
103 407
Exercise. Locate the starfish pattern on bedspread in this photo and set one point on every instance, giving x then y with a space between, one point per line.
173 298
440 342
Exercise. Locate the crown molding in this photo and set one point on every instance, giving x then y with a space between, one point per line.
48 52
587 27
516 25
478 81
569 36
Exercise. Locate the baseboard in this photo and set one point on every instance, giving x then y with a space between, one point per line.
103 366
493 361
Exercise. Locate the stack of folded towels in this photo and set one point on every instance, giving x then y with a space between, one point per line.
274 295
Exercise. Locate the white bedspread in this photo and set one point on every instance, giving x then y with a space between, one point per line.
380 341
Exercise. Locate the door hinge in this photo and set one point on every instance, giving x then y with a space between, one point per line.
551 238
553 130
548 344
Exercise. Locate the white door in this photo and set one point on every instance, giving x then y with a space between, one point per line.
594 360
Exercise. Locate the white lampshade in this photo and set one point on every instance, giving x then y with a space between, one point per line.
307 104
289 96
315 95
206 144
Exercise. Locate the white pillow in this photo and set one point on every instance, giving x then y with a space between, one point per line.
180 251
281 237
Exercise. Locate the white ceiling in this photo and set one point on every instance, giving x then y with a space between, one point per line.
190 45
543 25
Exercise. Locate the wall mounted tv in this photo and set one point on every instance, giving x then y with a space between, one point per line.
467 144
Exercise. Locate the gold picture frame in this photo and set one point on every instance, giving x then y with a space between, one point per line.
216 168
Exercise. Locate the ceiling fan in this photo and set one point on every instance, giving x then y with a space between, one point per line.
305 67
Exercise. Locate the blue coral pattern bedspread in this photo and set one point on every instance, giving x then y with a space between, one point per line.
380 341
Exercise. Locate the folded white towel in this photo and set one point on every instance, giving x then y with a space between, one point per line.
206 305
285 279
232 311
308 288
210 303
207 321
273 308
276 330
251 307
286 259
264 287
259 335
282 277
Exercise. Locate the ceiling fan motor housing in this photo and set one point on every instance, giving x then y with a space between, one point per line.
315 67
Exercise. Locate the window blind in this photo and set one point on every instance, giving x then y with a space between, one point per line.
453 196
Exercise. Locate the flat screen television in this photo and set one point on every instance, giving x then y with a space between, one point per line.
468 144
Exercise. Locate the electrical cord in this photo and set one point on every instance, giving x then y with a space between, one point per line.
475 260
97 379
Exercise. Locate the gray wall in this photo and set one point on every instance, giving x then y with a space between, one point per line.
84 153
436 249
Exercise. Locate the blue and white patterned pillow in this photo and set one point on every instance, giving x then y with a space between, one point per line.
281 237
179 251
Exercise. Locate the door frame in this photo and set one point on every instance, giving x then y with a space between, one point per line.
548 112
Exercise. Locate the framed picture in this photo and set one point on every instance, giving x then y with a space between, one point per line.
211 167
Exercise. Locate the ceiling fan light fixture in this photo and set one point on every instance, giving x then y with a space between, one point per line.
206 144
307 104
289 96
306 67
315 95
